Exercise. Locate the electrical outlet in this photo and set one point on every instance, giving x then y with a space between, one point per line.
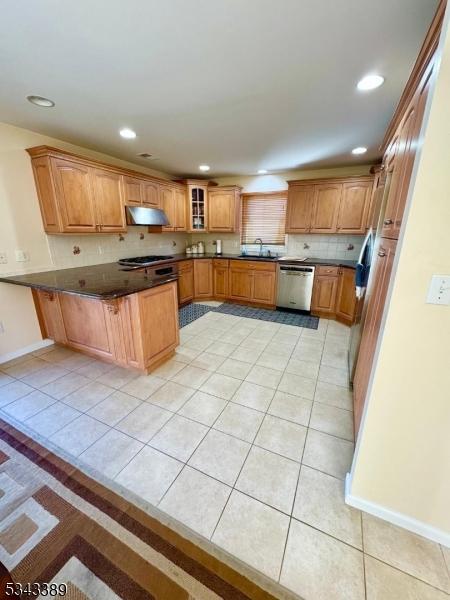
21 256
439 290
3 258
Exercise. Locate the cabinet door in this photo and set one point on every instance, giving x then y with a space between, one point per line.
198 215
221 287
324 294
327 197
46 194
346 296
354 207
241 284
185 284
221 211
74 195
168 206
150 194
203 284
299 209
132 188
109 208
263 291
180 208
50 316
375 307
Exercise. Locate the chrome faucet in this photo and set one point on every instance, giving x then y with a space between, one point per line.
259 240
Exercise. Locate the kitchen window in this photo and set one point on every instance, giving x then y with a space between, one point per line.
264 216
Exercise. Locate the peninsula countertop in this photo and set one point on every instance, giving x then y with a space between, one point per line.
104 281
112 280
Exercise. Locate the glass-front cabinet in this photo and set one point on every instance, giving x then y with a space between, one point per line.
198 205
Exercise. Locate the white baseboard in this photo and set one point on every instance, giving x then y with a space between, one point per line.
423 529
31 348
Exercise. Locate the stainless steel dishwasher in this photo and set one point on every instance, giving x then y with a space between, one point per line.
295 285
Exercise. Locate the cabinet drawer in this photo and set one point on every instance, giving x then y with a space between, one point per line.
185 265
253 265
327 270
221 262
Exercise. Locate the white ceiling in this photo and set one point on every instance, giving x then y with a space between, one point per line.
237 84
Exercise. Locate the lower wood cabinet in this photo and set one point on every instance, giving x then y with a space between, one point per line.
127 331
203 278
221 278
334 293
253 282
185 282
346 297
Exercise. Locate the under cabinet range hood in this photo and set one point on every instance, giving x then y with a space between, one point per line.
142 215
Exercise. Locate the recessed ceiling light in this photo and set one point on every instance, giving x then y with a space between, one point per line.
41 101
262 171
204 168
359 150
127 133
370 82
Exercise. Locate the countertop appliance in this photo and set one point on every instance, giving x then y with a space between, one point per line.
295 285
142 261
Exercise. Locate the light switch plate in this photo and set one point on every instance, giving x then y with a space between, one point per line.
21 256
439 290
3 258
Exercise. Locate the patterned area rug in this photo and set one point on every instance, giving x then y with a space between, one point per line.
60 526
191 312
276 316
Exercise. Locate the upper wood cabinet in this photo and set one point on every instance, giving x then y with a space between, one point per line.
109 211
299 210
327 197
354 207
173 203
224 209
329 205
81 195
197 193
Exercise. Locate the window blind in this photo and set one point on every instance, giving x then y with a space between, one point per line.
264 216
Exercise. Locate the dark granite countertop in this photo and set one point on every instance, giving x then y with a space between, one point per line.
106 281
111 280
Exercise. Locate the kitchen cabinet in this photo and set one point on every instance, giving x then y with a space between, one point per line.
203 278
74 196
221 278
197 194
109 209
81 195
253 282
327 197
346 296
354 207
224 205
126 331
185 282
399 158
299 209
323 301
375 307
338 205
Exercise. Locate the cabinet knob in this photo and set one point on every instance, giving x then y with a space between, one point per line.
388 221
381 253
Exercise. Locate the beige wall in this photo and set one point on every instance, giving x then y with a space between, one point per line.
21 229
278 181
403 459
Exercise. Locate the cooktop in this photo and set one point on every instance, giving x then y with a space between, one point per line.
143 260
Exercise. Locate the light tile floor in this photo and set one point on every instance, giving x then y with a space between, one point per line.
245 436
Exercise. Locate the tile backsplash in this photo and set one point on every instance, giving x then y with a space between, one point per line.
95 249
